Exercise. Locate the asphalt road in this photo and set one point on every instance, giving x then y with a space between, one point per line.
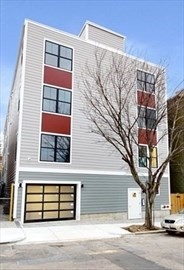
130 252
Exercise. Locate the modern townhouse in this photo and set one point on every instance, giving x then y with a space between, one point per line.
58 168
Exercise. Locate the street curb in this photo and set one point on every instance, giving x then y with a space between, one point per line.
13 241
151 232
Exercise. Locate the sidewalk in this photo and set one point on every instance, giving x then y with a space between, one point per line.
62 231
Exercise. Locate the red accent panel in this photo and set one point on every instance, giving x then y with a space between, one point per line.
56 123
145 99
57 77
147 136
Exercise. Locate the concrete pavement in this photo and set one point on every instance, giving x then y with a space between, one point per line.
62 231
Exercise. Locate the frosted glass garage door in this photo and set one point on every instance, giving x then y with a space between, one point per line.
48 202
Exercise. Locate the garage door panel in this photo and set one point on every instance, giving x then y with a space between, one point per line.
51 197
51 189
66 189
66 214
34 206
34 189
50 215
50 206
34 198
34 216
67 197
66 206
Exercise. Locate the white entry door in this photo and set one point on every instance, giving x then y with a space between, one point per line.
134 203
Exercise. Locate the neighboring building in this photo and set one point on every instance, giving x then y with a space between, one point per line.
1 168
177 164
58 168
1 159
1 164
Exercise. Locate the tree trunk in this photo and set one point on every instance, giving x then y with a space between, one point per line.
148 211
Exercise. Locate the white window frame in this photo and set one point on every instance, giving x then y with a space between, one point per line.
145 145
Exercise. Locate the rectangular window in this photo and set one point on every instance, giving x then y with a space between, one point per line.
58 56
55 148
143 156
56 100
18 107
154 158
145 81
15 151
146 118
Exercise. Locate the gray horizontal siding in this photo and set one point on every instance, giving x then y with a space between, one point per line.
163 197
83 143
87 152
104 37
100 193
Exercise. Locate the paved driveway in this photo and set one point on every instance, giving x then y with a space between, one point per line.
130 252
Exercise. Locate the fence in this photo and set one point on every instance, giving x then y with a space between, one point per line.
177 202
7 204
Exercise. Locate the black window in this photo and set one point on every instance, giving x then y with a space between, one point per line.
146 118
56 100
18 105
142 156
145 81
58 55
55 148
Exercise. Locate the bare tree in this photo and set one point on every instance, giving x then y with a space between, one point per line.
128 108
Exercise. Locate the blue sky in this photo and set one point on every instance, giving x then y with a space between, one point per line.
154 30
